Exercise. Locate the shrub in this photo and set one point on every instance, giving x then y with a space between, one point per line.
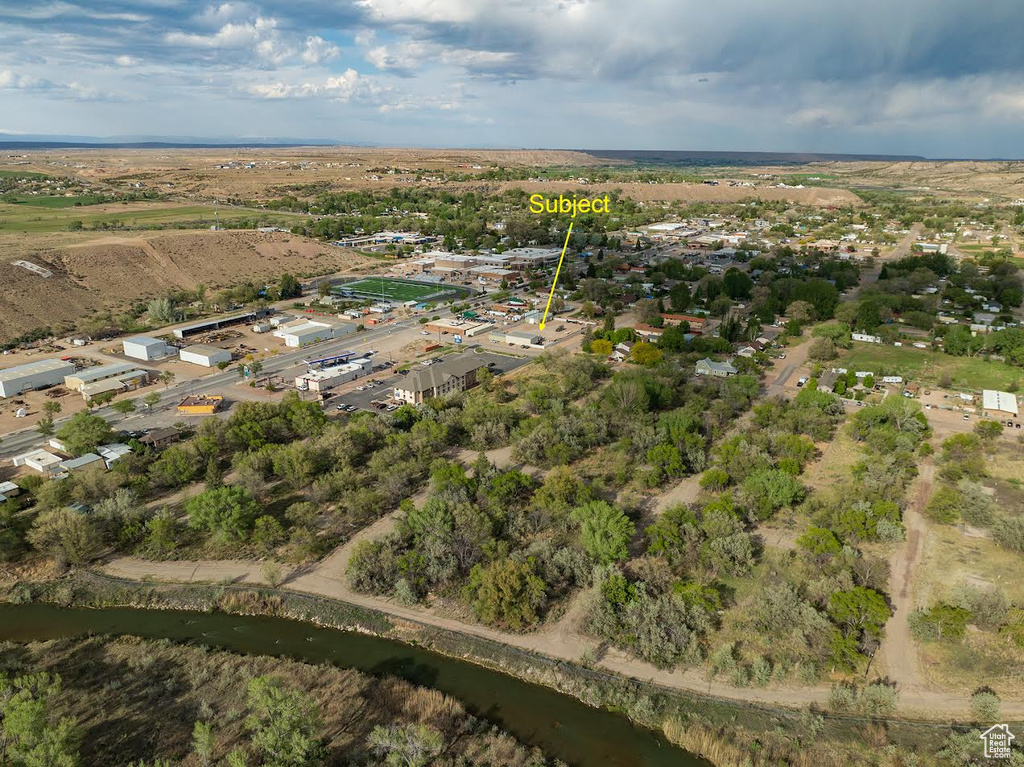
942 622
986 706
877 700
1009 533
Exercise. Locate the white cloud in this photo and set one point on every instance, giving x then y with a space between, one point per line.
124 60
318 50
344 87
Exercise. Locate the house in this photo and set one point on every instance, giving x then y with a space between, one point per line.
749 350
113 453
158 438
72 465
708 367
39 460
454 375
768 336
866 338
827 381
8 490
622 351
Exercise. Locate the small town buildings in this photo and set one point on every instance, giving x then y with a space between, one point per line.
32 376
202 354
201 404
303 332
158 438
708 367
145 348
327 378
113 453
72 465
42 461
999 403
866 338
453 375
117 377
516 337
827 382
215 324
8 490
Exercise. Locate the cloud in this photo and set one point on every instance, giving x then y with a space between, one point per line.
344 87
318 50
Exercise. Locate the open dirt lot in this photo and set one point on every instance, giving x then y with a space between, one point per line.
96 272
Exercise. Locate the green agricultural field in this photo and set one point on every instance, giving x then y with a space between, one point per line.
926 366
22 217
54 201
23 174
395 290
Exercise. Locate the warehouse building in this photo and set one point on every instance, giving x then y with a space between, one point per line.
32 376
121 375
999 403
304 332
327 378
207 356
145 348
222 322
454 375
516 337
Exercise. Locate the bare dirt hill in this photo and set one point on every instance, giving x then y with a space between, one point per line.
92 274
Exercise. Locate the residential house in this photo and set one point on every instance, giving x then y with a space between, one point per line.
454 375
708 367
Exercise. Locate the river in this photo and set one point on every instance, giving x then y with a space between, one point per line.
538 716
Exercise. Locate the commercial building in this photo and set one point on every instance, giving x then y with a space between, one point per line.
304 332
233 319
145 348
34 375
327 378
999 403
119 376
201 404
207 356
516 337
454 375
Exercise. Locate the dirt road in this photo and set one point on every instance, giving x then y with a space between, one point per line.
897 656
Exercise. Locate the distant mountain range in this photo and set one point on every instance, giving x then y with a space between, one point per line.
10 140
671 157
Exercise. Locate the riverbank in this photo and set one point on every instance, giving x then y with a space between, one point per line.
726 731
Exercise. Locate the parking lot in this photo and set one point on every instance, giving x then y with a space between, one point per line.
361 399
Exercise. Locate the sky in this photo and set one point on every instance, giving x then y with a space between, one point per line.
939 78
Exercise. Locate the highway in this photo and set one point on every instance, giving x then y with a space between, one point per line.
163 412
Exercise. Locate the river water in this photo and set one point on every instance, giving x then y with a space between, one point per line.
559 724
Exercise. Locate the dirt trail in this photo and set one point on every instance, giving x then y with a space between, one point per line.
897 656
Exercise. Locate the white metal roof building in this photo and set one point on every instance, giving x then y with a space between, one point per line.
207 356
33 375
121 370
145 348
301 333
999 401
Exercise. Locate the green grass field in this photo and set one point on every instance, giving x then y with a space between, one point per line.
395 290
23 174
55 201
23 217
926 366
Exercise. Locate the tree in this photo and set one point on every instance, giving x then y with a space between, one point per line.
151 400
124 406
645 353
985 706
822 350
768 490
800 312
66 534
229 511
167 378
52 408
406 745
289 287
989 431
31 735
818 542
84 433
604 530
680 297
506 592
285 724
859 610
601 347
203 743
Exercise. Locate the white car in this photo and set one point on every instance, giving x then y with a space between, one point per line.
424 332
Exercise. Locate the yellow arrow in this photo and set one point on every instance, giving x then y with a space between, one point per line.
557 272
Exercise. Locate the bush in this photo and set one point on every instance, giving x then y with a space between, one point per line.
942 622
988 606
1009 533
842 698
877 700
986 706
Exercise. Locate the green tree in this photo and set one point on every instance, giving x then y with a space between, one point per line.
228 511
203 743
859 610
84 433
507 593
151 400
285 724
32 736
818 542
289 287
601 347
768 490
645 353
604 530
989 431
124 406
68 535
